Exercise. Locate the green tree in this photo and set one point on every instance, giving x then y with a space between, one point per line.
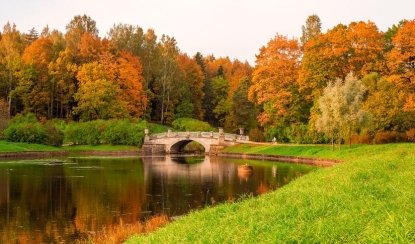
125 37
169 70
311 29
220 89
243 110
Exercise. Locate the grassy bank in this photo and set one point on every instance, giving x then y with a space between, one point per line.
16 147
6 146
370 198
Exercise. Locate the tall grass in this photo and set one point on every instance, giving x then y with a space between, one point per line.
119 233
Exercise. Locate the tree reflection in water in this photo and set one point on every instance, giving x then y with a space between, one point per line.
43 202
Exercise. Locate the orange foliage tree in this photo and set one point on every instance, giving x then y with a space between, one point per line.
111 88
274 77
192 80
401 63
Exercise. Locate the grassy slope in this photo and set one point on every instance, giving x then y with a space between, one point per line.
370 198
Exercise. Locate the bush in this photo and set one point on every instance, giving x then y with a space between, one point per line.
124 132
256 134
115 132
410 135
26 128
188 124
388 137
54 136
25 132
361 139
85 133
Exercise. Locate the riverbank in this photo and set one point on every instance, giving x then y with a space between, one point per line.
25 150
369 198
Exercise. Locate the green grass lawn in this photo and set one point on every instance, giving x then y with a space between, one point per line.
369 198
104 147
6 146
25 147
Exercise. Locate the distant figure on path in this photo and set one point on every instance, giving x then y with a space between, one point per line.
274 140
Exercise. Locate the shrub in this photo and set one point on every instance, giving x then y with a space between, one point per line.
26 128
410 135
54 136
361 139
388 137
25 132
256 134
85 133
115 132
188 124
124 132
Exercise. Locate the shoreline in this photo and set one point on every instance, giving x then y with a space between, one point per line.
280 158
35 154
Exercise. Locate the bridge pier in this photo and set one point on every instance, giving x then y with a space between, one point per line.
154 149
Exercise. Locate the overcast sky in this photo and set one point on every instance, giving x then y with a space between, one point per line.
221 27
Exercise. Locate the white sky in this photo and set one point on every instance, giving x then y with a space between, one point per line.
236 28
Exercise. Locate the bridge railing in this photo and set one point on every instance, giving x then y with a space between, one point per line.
198 134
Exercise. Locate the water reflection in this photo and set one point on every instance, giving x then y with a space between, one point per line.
61 201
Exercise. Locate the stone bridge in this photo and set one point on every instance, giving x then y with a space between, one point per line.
174 142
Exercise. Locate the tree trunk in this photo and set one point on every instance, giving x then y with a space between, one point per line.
10 94
340 141
163 92
350 137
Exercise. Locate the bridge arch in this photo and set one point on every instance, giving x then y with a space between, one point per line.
174 146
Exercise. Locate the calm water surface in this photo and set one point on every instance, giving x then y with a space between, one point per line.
48 201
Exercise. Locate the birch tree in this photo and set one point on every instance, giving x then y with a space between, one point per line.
340 108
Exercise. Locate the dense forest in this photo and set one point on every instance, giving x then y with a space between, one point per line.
352 83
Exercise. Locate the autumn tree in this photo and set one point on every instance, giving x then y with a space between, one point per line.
384 102
11 49
274 77
111 88
97 94
365 48
355 48
191 80
75 30
401 62
34 84
128 75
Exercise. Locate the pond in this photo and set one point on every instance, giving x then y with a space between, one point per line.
60 200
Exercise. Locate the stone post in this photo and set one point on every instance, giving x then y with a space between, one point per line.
221 139
168 132
146 135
